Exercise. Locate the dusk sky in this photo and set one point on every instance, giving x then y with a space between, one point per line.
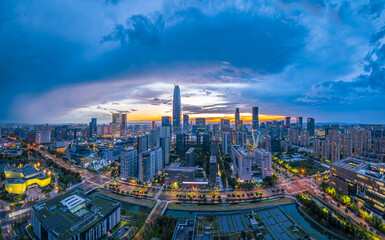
71 60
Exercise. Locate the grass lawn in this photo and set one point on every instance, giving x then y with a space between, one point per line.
29 228
178 206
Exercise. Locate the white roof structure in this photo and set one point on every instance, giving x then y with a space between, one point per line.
72 201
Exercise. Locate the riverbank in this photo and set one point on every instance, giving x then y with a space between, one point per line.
141 202
229 207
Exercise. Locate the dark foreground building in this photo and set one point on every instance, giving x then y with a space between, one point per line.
75 216
363 181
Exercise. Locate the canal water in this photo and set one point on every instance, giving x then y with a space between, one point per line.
291 209
134 207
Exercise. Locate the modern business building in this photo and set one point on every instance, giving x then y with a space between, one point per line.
74 215
299 122
226 143
293 136
206 144
310 126
180 143
142 143
225 125
166 121
237 120
150 163
93 128
362 180
255 118
19 179
116 124
190 158
184 230
165 143
200 125
242 162
176 173
241 139
176 110
287 122
186 123
304 138
213 171
123 125
129 164
263 160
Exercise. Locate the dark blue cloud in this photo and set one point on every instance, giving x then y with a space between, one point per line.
306 52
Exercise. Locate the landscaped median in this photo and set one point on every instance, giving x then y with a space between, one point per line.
328 220
122 197
230 206
30 232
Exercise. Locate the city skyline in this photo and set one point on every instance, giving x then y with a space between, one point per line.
125 56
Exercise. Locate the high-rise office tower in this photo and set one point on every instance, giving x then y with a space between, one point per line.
237 118
129 164
293 136
166 121
176 110
147 166
263 160
165 143
304 138
142 143
226 143
179 144
310 126
206 144
200 124
116 122
123 125
213 171
255 120
242 161
299 122
186 120
225 125
287 122
153 125
190 158
93 128
317 147
241 139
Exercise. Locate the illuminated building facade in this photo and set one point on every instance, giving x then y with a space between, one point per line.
19 179
364 181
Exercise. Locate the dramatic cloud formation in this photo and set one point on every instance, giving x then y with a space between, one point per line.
68 61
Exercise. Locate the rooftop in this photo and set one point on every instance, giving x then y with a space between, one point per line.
64 224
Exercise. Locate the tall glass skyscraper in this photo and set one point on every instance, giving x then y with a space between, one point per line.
176 110
255 120
237 120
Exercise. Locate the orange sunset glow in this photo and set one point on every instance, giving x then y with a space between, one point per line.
246 117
